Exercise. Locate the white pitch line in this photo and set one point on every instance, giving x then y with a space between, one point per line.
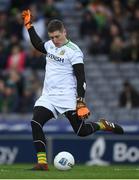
118 169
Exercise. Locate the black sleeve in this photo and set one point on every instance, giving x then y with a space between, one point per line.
36 40
80 76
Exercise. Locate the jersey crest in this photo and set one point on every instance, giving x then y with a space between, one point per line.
62 52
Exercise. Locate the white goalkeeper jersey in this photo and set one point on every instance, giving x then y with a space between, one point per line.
60 86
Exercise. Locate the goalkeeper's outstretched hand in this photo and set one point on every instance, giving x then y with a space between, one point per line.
26 15
82 110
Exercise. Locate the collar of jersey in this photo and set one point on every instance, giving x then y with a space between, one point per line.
66 43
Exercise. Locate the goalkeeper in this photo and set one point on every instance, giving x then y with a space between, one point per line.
64 88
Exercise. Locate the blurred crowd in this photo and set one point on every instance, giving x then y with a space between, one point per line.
112 27
20 63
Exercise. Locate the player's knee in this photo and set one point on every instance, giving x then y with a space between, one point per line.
41 115
35 125
81 133
36 130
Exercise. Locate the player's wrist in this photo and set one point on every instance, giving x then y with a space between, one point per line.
28 25
80 99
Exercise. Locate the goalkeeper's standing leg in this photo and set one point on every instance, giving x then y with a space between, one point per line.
40 116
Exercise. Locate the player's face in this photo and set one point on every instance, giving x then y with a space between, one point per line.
58 37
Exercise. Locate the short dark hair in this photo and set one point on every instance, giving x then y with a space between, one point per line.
55 25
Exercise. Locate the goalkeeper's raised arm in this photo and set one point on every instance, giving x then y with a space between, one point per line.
35 39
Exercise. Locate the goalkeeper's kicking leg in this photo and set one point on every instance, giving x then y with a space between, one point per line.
40 116
82 128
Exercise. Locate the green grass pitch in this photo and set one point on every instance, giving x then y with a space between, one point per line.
22 171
